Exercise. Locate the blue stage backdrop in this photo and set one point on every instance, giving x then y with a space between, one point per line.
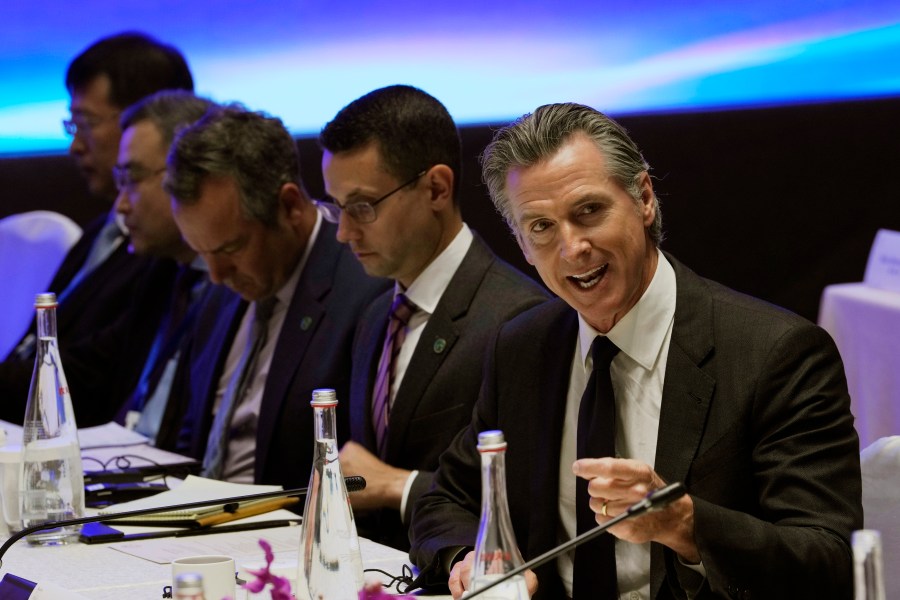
488 62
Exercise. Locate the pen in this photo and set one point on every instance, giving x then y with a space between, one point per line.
240 512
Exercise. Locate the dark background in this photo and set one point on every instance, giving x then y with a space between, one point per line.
774 202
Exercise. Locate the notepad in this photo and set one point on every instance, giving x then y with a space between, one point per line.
193 489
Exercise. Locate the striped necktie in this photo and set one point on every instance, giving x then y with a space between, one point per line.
401 311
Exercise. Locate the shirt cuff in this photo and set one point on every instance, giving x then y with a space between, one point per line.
405 496
697 568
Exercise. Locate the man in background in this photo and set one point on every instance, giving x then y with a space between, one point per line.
148 129
639 374
281 322
98 278
391 165
106 368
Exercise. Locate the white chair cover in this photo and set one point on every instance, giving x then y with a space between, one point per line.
32 246
881 503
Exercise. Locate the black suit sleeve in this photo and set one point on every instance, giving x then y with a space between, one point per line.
805 470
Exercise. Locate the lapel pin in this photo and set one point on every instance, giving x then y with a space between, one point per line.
439 345
305 323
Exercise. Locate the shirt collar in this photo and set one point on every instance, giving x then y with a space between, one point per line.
642 331
427 289
286 293
198 264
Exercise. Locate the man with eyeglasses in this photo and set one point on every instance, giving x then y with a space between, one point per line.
148 129
126 368
280 322
391 167
99 277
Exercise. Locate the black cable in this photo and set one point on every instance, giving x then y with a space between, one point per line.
405 578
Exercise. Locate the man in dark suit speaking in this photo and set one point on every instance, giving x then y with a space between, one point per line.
391 165
643 373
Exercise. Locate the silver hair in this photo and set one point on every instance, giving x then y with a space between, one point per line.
537 136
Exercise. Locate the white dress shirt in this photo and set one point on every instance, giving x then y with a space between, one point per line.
638 372
240 459
425 292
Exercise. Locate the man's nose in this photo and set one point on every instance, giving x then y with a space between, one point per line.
573 243
219 268
123 203
348 229
78 144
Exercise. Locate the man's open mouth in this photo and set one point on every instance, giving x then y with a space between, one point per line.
591 278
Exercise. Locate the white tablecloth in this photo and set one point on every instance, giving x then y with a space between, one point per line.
865 324
100 572
136 570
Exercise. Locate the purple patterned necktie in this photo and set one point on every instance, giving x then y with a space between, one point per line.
401 311
595 561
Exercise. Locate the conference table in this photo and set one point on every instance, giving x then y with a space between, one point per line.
865 324
142 568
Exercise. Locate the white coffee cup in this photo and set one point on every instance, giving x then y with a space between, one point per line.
217 572
10 459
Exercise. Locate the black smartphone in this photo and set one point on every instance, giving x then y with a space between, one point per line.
103 494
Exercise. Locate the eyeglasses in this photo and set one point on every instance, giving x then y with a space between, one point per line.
361 212
85 123
126 178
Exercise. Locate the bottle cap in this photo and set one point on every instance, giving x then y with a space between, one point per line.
491 441
323 398
187 583
45 300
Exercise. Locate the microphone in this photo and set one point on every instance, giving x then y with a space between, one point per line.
354 484
655 500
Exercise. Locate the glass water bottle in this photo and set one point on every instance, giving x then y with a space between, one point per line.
496 551
52 482
868 565
188 586
330 559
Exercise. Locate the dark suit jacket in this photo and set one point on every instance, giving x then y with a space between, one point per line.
105 327
755 420
313 351
441 383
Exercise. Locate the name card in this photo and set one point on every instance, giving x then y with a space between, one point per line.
883 267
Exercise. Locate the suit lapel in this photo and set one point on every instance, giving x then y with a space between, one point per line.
436 342
687 390
303 318
549 402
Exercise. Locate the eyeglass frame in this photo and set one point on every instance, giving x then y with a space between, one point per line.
85 123
124 181
334 208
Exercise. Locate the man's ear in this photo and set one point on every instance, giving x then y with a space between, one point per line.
292 202
439 180
648 199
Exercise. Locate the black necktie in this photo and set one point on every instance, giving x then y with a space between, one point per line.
594 573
